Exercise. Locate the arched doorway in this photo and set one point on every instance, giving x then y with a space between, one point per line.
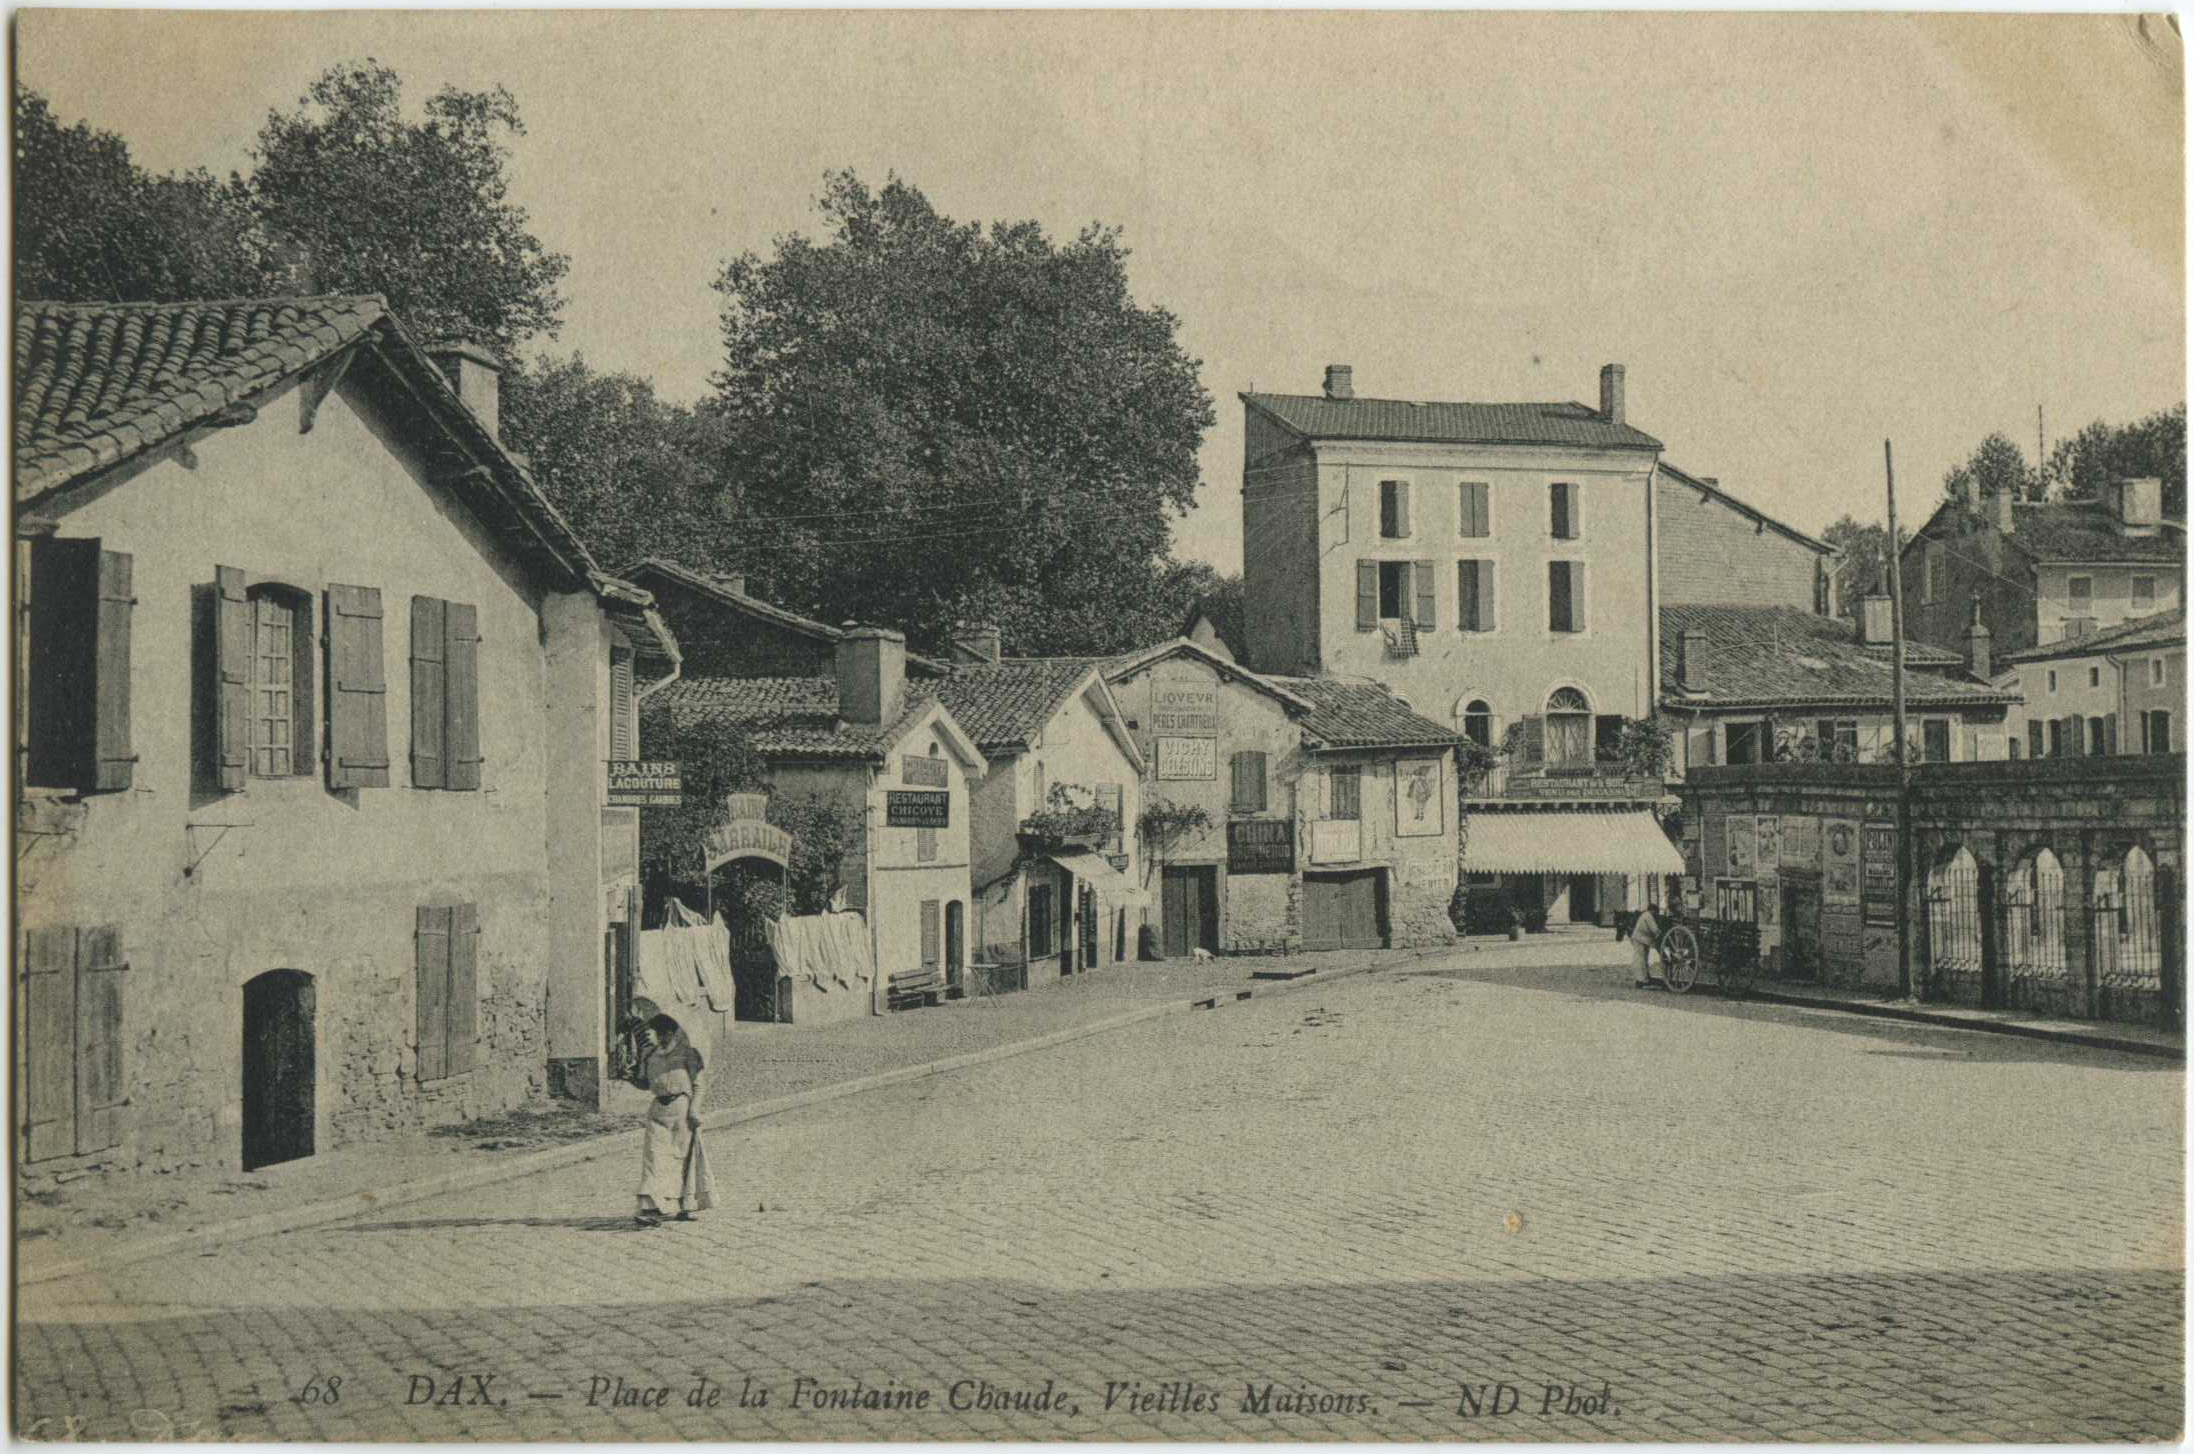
280 1068
749 893
1954 965
2034 959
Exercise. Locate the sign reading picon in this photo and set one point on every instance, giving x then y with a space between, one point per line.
645 784
917 810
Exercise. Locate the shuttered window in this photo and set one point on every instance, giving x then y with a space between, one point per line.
73 1066
358 716
1565 595
1562 502
1474 595
932 933
77 726
446 954
620 706
1474 512
1249 782
1347 786
445 695
1394 509
925 845
1367 595
1426 614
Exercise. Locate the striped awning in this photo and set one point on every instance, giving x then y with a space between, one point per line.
1559 841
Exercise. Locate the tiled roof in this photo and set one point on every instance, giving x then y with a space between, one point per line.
1317 417
1764 656
1361 714
1005 704
1127 664
663 568
787 716
2166 628
2088 531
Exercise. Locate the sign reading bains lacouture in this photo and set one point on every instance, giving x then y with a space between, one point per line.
916 810
645 784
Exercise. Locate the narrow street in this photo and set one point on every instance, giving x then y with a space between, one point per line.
1424 1204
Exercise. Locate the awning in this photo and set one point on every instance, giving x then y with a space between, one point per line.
1568 842
1110 884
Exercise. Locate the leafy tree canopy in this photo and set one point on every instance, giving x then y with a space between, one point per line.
1996 465
912 390
1865 567
2154 447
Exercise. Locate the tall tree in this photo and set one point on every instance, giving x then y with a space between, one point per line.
634 475
417 210
2151 447
1996 465
1865 568
91 224
913 390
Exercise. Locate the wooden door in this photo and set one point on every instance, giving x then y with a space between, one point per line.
279 1068
1342 910
1190 909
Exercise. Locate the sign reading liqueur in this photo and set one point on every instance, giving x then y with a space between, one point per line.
916 810
1260 845
644 784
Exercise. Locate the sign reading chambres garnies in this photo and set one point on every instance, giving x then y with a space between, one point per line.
916 810
1260 845
644 784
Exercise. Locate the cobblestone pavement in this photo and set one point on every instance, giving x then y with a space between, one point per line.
1408 1203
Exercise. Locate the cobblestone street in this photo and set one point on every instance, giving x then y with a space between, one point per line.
1429 1203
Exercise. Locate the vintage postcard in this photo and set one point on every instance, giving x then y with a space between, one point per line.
1103 726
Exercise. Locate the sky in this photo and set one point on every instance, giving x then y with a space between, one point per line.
1801 235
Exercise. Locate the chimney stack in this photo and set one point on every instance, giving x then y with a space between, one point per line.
872 675
1874 620
1690 661
2000 510
1977 656
1611 393
979 644
478 379
2141 506
1340 381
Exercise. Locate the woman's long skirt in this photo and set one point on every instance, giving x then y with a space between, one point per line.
674 1175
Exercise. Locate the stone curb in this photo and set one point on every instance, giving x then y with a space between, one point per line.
2089 1039
314 1214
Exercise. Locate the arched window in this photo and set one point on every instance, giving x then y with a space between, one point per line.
1568 729
1478 722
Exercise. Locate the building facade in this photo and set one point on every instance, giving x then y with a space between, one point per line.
2121 690
315 838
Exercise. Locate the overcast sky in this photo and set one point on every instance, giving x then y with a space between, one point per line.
1799 234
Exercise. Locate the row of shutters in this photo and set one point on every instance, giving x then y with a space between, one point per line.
79 722
1472 514
1474 594
2070 737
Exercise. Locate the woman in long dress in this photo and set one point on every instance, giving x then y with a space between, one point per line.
674 1177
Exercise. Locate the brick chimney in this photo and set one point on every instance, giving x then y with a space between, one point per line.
2001 512
477 377
1611 393
872 675
1874 620
733 583
1977 657
1690 661
1340 381
978 643
2140 506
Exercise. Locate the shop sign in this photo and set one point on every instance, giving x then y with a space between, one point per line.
644 784
917 810
1188 759
1260 845
1181 710
923 772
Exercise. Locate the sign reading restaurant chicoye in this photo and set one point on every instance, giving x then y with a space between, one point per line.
917 809
644 784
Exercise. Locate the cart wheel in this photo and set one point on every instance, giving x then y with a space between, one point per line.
1680 958
1736 979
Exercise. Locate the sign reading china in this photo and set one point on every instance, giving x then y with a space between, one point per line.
917 810
644 785
1260 845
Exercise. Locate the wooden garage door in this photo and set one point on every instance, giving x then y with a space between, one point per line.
1342 911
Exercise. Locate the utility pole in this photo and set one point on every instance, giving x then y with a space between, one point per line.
2041 452
1897 718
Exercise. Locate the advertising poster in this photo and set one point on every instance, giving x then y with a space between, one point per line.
1417 812
1840 861
1188 759
1740 861
1767 838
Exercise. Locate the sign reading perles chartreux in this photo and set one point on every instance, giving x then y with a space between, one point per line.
1184 711
645 784
917 810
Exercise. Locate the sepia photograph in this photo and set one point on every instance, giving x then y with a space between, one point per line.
1112 726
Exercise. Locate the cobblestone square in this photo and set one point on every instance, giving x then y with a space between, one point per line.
1430 1203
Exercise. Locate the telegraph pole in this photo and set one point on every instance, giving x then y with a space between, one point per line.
1897 717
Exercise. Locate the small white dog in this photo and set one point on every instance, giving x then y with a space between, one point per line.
1203 956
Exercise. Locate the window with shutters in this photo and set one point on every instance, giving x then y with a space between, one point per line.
1248 782
2156 730
1562 504
1837 739
2097 740
1475 510
1396 581
445 695
278 683
1607 738
1345 791
74 1072
1478 722
624 726
76 718
1568 730
2057 737
1394 509
932 933
1565 596
446 945
1742 743
1474 595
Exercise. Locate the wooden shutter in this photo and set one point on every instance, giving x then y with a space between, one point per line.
931 957
1559 612
99 1087
1473 513
429 687
358 719
1486 617
1576 513
430 958
49 1043
620 706
460 697
232 638
1249 782
462 1000
2035 746
1466 596
114 762
1401 508
2110 733
1558 511
1427 600
1367 595
2075 736
1533 746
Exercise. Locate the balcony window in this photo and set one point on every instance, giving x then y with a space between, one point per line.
1568 731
